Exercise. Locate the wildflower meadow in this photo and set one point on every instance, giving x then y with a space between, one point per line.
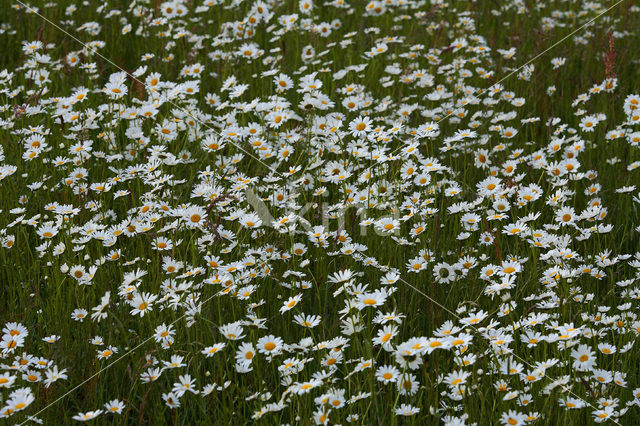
320 212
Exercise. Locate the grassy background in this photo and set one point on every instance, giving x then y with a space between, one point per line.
37 294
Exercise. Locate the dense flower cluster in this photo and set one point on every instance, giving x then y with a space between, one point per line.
366 217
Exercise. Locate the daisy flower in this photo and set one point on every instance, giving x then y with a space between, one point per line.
360 127
89 415
290 303
407 410
270 345
209 351
114 406
374 299
387 374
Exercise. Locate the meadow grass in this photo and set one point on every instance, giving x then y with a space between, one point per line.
132 244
